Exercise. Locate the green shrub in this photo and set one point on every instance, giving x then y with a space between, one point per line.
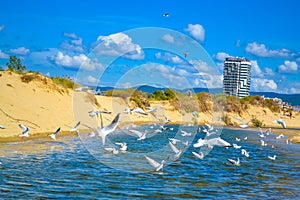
257 123
64 82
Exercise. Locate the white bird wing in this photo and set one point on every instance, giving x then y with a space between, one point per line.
218 141
231 161
152 162
24 128
136 132
139 110
112 126
239 119
119 143
78 123
173 147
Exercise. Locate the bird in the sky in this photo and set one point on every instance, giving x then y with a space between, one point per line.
166 15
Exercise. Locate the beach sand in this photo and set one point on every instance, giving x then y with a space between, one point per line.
43 107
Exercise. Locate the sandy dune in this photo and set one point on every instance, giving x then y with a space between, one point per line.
43 107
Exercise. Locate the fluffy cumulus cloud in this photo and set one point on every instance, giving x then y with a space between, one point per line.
168 38
71 35
118 44
20 51
263 85
169 57
196 31
202 66
2 27
269 71
262 51
288 67
221 56
77 61
3 55
255 69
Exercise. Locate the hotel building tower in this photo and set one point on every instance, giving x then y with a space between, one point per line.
236 80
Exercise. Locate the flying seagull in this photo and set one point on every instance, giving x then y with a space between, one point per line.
199 155
2 127
166 15
212 142
72 129
141 135
244 124
272 158
158 166
53 135
185 53
25 130
281 122
123 145
104 131
178 152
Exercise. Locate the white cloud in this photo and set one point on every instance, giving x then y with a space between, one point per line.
71 35
197 31
201 66
3 55
168 38
255 69
221 56
2 27
92 80
294 90
288 67
77 61
269 71
20 51
263 85
169 57
118 44
262 51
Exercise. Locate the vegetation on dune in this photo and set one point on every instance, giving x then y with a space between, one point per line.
14 64
67 83
257 123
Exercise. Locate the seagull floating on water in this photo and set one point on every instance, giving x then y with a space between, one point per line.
53 135
272 157
25 130
112 150
236 146
245 153
279 136
123 146
199 155
156 165
234 162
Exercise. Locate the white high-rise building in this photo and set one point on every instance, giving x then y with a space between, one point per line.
236 80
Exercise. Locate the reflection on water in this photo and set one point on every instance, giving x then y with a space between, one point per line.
43 168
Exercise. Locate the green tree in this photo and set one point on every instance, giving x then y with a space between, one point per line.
15 64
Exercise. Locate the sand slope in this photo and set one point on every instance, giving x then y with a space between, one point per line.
43 106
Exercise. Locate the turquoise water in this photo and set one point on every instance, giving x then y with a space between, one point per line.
73 168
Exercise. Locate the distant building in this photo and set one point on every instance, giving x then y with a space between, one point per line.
237 75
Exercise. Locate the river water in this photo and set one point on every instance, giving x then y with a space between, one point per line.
79 167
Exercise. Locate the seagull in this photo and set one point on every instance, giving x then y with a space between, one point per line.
208 129
176 150
127 111
199 155
185 53
2 127
53 135
279 136
245 153
261 134
166 15
236 146
112 150
138 110
263 143
174 140
72 129
167 120
234 162
142 136
92 134
97 113
244 124
151 110
212 142
158 166
104 131
237 139
123 145
245 138
184 134
272 158
195 114
25 130
281 122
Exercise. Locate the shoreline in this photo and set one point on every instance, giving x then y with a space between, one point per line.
293 134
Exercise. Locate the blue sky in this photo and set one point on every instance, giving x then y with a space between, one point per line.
79 39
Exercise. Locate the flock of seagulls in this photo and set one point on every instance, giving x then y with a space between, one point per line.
211 140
